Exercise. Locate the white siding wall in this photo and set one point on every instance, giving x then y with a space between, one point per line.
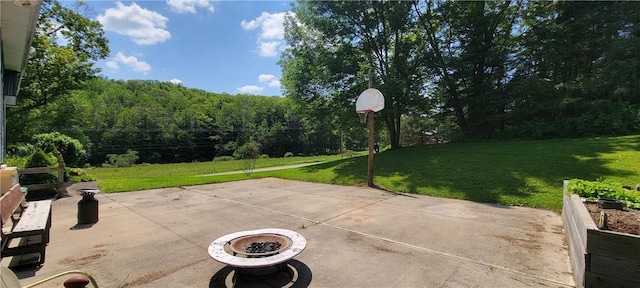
3 110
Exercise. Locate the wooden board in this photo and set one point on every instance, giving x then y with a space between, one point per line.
576 238
612 267
35 217
576 221
593 280
614 245
613 259
9 202
36 187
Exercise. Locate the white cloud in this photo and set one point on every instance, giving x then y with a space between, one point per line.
264 78
269 48
270 79
270 39
249 25
113 65
131 62
272 25
144 27
274 83
189 6
176 81
250 89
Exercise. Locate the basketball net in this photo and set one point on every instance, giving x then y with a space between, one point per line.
363 116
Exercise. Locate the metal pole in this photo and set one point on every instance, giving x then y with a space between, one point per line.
371 142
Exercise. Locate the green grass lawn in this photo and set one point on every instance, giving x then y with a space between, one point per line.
148 176
524 173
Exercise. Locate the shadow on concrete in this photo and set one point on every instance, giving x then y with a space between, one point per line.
295 275
81 226
24 268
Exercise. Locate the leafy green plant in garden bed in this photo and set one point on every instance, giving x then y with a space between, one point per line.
593 190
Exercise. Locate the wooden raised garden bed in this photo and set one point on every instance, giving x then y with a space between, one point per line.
599 258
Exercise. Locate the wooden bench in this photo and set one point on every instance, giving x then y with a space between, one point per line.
21 220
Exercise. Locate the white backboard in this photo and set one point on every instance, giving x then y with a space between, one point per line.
370 100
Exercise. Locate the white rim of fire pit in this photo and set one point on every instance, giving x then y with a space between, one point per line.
217 252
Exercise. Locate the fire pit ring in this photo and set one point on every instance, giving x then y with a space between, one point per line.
221 251
263 244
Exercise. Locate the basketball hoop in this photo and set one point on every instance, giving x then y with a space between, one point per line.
363 116
370 101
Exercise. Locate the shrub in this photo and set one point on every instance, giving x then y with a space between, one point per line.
123 160
21 149
264 156
16 161
223 158
288 154
40 159
72 150
77 175
249 152
593 190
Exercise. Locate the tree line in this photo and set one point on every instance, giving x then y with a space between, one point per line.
480 69
448 69
165 123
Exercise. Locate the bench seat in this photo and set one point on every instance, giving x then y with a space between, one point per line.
27 219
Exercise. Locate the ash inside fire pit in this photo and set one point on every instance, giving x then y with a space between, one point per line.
262 247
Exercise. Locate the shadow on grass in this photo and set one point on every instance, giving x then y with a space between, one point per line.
527 173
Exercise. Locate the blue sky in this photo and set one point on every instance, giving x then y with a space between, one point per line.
218 46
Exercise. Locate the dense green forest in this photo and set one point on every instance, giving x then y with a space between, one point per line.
459 70
165 123
509 69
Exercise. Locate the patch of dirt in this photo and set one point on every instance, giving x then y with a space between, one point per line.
82 261
153 276
537 227
101 245
148 278
382 248
354 237
623 221
529 244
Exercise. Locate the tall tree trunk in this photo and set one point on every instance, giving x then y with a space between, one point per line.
392 121
441 67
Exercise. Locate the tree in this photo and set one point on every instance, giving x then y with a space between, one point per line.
65 47
336 46
469 44
575 68
249 153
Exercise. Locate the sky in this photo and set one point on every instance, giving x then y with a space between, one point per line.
218 46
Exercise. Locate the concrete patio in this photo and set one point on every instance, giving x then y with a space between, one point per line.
356 237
